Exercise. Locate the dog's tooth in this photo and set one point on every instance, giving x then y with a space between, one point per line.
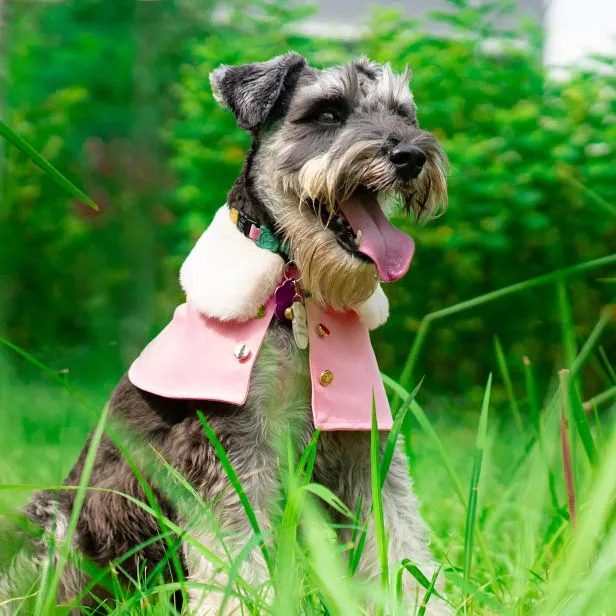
359 236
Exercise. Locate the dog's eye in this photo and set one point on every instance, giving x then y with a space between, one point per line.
329 117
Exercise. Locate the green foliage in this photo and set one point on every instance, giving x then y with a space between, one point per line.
90 91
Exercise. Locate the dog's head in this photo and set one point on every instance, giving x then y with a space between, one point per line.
334 151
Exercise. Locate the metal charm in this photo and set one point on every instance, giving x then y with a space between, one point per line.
241 352
327 376
323 330
300 324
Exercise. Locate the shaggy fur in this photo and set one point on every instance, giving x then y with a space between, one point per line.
316 137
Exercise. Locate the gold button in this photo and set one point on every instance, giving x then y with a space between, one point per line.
323 330
241 352
288 314
327 376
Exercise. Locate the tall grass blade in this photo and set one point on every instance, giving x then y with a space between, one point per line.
51 589
518 287
531 394
565 443
406 375
580 418
172 546
25 148
566 323
595 197
471 510
607 314
560 274
410 567
596 518
598 426
380 536
394 433
429 592
358 538
386 459
599 399
329 498
237 486
324 566
305 466
470 590
506 376
607 365
426 426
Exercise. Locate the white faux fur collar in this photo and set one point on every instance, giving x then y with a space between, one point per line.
227 277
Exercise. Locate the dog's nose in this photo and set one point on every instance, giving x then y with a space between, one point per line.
408 160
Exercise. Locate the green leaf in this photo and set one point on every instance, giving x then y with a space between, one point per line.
471 509
504 370
26 149
377 499
235 482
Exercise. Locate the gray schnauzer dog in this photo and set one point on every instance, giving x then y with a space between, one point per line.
321 140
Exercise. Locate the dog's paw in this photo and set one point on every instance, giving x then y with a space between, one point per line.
374 312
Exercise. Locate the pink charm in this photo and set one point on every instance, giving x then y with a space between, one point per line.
255 233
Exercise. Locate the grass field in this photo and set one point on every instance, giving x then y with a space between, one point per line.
516 533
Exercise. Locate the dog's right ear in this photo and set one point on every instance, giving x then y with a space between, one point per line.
250 91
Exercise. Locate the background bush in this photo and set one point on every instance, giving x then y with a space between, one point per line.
117 96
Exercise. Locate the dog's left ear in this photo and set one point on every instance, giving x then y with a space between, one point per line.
250 91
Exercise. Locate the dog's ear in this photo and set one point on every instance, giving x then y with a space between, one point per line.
250 91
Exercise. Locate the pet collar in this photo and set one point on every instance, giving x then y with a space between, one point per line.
208 350
259 234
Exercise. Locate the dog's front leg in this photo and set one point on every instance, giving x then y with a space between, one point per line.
223 552
349 454
225 534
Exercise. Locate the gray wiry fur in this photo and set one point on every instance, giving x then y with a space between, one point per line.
251 90
296 174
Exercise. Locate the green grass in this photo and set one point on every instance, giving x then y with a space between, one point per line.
505 541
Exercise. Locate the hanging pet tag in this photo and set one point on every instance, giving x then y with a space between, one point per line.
300 325
284 297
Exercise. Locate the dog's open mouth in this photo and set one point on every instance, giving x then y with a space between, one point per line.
362 229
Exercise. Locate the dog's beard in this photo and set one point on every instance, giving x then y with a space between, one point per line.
334 277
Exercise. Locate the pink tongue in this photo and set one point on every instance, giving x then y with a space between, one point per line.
390 249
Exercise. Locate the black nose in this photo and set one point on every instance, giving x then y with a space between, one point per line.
408 160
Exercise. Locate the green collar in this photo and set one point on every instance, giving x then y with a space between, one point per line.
259 234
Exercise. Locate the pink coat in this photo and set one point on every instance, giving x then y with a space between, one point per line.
194 357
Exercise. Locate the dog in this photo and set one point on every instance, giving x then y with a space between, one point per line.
302 240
